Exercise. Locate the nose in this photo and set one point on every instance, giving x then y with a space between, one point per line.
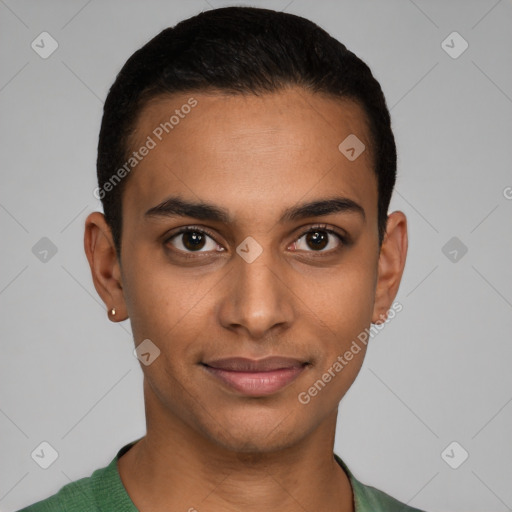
258 300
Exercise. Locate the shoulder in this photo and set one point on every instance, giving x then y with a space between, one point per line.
101 491
82 495
370 499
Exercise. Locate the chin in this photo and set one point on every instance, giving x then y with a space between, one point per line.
253 434
254 444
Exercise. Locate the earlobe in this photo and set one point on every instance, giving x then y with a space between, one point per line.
392 258
104 265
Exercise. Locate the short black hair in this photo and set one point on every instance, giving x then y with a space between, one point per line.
239 50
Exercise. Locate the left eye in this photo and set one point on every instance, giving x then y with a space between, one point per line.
318 239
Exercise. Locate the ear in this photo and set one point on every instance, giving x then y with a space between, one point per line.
392 257
105 268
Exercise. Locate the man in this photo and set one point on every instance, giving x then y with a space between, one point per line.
245 164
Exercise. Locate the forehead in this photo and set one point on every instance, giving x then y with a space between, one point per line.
251 153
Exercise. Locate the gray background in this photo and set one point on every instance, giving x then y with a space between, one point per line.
439 372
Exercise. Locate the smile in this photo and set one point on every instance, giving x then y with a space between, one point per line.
256 378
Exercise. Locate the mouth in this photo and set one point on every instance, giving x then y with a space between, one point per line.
251 377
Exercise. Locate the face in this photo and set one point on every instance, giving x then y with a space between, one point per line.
280 259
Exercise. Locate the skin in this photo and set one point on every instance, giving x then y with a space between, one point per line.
207 446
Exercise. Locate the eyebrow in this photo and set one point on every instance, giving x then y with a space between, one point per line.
177 207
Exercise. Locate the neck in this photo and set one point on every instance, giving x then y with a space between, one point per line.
177 468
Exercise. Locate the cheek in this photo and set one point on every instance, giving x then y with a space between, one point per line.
159 298
345 308
355 303
163 309
344 301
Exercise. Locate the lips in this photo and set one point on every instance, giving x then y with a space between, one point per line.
242 364
255 377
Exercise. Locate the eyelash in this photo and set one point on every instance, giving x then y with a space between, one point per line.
317 227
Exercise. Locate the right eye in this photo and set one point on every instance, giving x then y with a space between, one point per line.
193 239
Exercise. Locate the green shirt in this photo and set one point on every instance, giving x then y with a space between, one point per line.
104 491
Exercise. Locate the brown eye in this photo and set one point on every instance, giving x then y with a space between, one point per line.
316 239
192 239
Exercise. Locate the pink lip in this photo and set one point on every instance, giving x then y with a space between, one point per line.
256 377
